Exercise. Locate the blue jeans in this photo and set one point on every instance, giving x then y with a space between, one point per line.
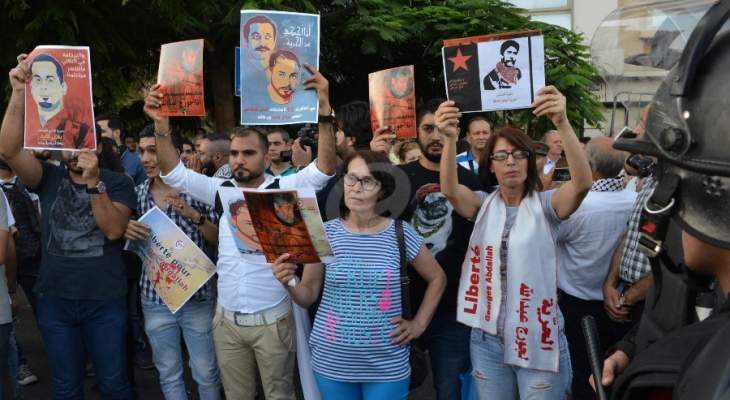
447 342
336 390
195 320
497 380
70 328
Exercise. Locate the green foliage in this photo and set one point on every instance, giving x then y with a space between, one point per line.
359 36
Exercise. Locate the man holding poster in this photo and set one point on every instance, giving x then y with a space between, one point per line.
82 283
59 112
253 324
194 318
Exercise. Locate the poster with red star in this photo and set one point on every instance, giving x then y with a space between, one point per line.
502 71
393 101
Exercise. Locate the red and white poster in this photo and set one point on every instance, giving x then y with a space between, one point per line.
59 110
393 101
181 76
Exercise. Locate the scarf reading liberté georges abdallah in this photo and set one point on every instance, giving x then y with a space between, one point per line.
530 324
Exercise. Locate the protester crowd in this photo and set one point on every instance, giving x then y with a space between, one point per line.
556 250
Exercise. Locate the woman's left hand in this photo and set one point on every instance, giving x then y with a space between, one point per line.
406 331
551 102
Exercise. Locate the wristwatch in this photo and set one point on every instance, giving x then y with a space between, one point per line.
201 220
327 119
99 188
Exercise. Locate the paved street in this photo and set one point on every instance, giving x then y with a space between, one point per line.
146 381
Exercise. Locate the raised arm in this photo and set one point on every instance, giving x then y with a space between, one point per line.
167 155
172 171
551 103
326 152
465 201
11 134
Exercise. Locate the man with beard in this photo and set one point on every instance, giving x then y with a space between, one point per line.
112 127
259 36
478 131
505 75
283 76
214 156
81 285
253 324
446 234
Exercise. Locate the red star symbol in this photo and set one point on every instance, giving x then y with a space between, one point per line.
459 61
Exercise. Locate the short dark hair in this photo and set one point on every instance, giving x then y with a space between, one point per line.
185 141
149 132
354 120
507 44
521 141
259 19
49 58
285 136
113 121
282 53
428 107
380 168
246 131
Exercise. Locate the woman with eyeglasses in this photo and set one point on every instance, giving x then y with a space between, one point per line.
508 287
360 340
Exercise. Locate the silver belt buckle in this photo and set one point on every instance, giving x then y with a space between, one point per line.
242 319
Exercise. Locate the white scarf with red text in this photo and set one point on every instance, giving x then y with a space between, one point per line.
530 325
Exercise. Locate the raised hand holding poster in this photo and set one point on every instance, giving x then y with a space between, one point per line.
275 45
393 101
494 72
181 76
59 111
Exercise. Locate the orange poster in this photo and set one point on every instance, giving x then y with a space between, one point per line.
393 101
181 77
59 111
280 225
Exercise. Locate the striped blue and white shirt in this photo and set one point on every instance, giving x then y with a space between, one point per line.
362 293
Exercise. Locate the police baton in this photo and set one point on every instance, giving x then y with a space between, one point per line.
593 345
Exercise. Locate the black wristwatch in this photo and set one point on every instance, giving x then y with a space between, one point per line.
327 119
201 220
99 188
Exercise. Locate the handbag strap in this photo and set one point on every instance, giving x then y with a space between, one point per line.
405 281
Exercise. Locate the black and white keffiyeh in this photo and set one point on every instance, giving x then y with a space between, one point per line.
608 185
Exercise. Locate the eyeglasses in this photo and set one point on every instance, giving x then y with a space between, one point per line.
367 182
504 155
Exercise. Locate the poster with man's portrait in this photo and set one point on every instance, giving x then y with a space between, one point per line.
494 72
181 75
393 101
59 111
275 45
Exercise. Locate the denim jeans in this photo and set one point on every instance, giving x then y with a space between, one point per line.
447 342
195 320
70 328
497 380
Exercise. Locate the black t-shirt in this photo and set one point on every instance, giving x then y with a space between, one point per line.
444 231
78 262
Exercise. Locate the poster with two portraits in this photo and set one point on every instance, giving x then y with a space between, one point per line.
494 72
274 46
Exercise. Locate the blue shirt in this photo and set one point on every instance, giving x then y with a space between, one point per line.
133 167
361 295
466 160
